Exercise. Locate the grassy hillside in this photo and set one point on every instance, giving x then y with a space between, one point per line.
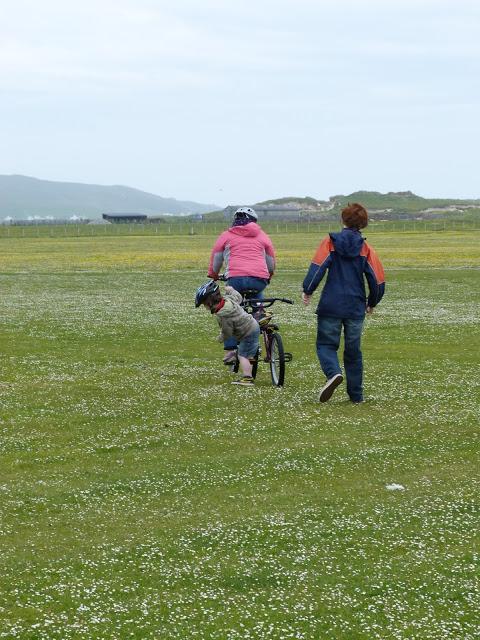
307 201
384 206
401 201
21 196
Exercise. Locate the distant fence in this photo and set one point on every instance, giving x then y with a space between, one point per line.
214 228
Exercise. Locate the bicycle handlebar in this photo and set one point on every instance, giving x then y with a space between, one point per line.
266 302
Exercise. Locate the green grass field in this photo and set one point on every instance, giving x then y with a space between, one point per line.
144 496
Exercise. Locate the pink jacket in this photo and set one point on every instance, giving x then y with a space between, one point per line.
246 251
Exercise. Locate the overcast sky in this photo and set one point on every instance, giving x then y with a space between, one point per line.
236 101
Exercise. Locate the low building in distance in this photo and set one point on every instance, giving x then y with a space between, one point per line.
126 218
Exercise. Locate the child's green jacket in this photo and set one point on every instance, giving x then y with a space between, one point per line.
234 321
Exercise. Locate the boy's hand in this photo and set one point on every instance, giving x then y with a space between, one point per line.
228 289
306 298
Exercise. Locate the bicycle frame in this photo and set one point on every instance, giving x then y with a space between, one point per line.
275 354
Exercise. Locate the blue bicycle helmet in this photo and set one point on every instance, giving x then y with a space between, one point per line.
205 291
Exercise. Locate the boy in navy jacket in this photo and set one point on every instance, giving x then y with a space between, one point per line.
343 303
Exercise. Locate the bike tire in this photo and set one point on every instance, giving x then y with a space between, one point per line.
277 360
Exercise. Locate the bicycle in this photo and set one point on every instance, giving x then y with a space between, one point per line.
275 354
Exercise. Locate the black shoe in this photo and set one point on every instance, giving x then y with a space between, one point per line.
326 392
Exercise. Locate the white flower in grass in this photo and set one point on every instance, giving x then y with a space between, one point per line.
395 487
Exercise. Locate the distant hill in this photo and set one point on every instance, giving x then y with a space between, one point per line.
404 202
381 206
22 196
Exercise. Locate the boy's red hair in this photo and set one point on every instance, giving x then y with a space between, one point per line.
354 216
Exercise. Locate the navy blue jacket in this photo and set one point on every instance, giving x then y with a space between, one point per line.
348 259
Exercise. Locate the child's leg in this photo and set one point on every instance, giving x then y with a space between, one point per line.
328 341
352 359
229 347
247 348
229 357
245 366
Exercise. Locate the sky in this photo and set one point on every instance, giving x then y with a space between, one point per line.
235 102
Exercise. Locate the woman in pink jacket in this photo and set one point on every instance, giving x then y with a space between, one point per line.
248 256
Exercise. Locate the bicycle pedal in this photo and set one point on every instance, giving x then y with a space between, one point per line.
288 356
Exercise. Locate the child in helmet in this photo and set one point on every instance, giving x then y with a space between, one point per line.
234 322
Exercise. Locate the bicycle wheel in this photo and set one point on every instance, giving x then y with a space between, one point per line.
277 360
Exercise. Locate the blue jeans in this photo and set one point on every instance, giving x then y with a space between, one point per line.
248 347
241 284
328 341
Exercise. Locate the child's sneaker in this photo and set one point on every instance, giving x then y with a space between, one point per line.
326 392
230 357
245 381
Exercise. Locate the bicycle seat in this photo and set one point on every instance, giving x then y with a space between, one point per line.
249 293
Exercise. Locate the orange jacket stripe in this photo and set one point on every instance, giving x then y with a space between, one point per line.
323 251
374 262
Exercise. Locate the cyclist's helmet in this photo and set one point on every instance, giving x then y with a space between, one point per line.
205 291
246 214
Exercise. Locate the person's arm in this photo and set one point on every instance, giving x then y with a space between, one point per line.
375 275
216 257
318 267
221 337
226 327
269 255
225 315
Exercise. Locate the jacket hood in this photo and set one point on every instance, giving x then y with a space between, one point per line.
227 309
249 230
348 243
